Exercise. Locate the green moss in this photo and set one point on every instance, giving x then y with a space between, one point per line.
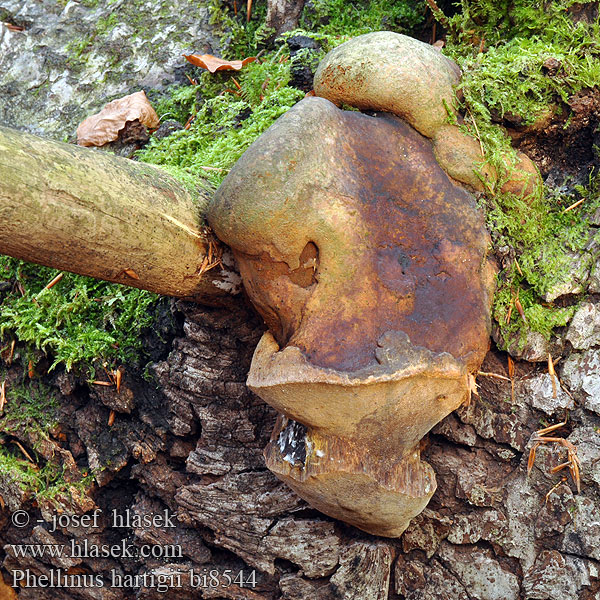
79 320
76 48
502 48
45 483
17 471
497 21
538 236
106 24
225 123
238 37
32 410
510 78
29 408
178 104
343 20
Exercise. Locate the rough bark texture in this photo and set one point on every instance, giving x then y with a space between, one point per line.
283 15
96 214
193 445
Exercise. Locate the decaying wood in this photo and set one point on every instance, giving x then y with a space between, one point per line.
100 215
193 445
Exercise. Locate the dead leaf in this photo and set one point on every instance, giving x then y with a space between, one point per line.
6 592
213 63
104 127
131 273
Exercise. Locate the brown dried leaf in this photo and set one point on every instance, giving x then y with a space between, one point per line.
213 63
6 592
131 273
104 127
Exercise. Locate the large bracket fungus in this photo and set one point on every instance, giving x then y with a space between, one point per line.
368 263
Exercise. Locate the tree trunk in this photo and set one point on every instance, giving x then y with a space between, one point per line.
193 446
283 15
96 214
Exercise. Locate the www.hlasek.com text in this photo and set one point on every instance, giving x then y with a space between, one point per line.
85 549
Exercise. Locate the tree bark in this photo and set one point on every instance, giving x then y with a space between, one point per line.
100 215
193 446
283 15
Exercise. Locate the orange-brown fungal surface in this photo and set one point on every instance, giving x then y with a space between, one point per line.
368 264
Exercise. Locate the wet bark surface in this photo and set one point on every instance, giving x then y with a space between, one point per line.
190 443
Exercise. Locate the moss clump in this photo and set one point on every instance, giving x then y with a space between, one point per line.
239 38
536 240
47 483
228 111
541 233
30 408
79 320
344 20
503 49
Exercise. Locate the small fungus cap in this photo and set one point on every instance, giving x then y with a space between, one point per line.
393 73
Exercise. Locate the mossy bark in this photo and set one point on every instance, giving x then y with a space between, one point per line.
96 214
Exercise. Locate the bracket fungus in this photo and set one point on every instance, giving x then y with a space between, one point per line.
369 266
